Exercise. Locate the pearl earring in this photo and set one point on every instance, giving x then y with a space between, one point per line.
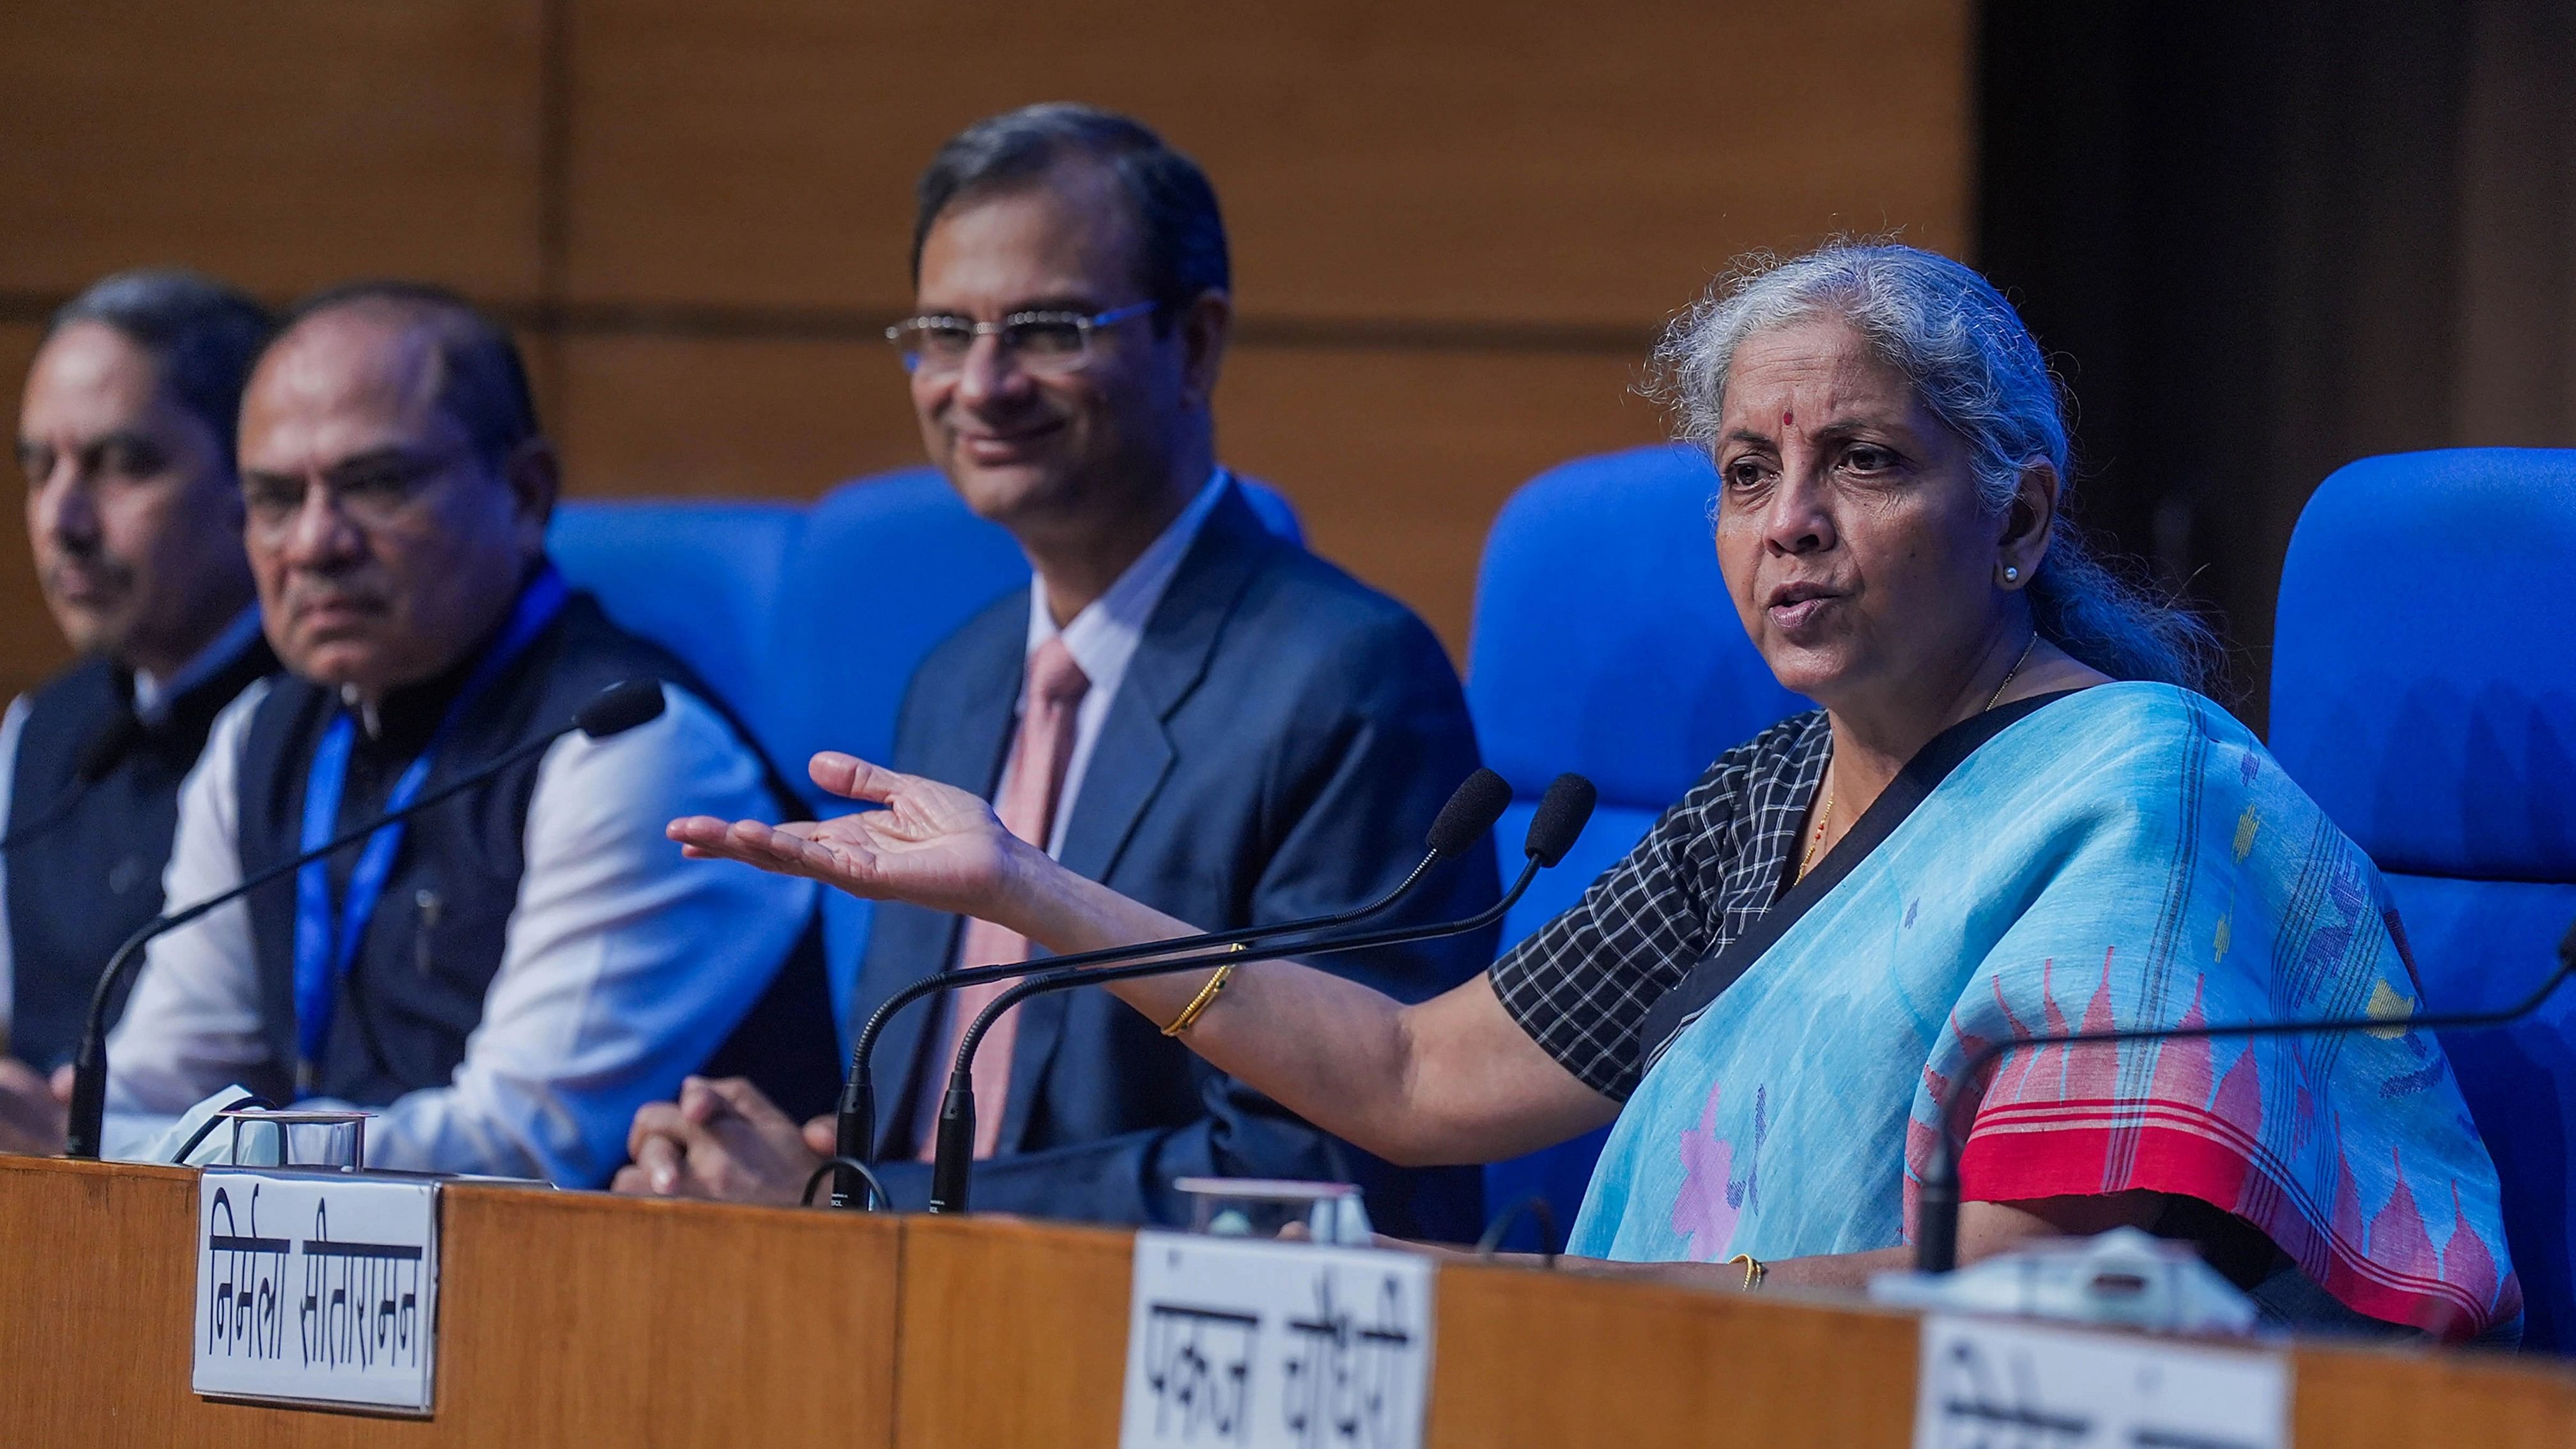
2011 574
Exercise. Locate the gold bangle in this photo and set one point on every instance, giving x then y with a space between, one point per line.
1754 1271
1198 1006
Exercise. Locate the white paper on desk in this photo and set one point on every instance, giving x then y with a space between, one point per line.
316 1287
1269 1345
1991 1384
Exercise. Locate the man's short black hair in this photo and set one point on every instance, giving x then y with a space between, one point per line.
1175 207
482 383
204 336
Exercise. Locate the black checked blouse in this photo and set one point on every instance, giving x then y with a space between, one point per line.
1710 867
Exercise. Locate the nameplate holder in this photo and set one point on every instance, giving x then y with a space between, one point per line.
1986 1381
317 1288
1259 1344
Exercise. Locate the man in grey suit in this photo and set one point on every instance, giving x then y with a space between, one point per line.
1183 706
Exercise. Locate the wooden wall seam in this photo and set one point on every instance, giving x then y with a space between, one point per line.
1457 224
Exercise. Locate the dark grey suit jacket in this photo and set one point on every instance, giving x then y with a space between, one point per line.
1278 748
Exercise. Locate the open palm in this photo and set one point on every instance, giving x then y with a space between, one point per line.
932 845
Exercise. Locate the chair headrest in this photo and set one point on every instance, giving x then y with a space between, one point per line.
698 576
1604 639
2424 665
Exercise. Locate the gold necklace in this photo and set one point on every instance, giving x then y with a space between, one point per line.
2016 669
1825 815
1824 818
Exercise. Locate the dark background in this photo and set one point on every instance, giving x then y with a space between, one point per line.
2265 239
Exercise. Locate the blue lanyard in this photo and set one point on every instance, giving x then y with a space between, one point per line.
325 948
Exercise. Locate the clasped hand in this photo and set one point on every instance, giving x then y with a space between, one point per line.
722 1140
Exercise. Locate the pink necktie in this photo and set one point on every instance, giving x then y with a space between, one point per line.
1030 783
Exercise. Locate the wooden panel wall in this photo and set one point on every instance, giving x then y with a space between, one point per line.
281 145
29 647
1456 223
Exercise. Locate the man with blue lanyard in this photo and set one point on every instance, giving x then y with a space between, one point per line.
125 437
507 976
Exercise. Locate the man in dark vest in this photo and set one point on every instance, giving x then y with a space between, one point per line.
1183 705
507 977
125 435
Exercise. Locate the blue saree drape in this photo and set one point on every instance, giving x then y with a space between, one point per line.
2126 856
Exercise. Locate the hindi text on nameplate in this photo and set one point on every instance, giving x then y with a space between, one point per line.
1992 1384
316 1287
1266 1345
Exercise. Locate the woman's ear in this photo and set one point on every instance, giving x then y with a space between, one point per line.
2027 522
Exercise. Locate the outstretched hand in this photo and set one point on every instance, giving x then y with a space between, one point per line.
931 845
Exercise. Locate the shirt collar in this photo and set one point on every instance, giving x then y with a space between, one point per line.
153 697
1105 635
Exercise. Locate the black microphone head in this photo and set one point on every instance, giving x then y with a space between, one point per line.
1471 811
1562 813
619 708
108 747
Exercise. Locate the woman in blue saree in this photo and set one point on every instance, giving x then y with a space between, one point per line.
2013 817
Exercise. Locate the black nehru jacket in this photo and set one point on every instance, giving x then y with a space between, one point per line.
417 987
84 865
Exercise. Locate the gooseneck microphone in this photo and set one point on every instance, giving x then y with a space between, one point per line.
1936 1242
96 758
613 711
1561 815
1473 808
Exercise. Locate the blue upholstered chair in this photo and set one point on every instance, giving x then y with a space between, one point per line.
701 579
1605 644
886 567
2424 691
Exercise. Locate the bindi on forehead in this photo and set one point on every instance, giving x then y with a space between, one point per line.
1788 420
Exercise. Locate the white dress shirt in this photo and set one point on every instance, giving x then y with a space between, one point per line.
1104 637
623 967
151 702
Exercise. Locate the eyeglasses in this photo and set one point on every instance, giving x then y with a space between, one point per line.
371 491
1038 341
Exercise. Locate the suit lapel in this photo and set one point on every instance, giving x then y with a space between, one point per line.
972 706
1135 752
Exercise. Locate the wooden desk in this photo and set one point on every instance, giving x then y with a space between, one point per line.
585 1321
565 1319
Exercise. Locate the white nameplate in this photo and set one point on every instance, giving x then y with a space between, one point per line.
1986 1382
1270 1345
316 1287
